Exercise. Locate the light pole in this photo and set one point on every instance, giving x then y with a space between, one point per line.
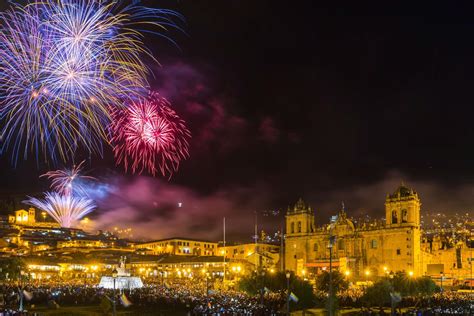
114 310
262 290
332 241
330 246
470 262
288 275
20 291
392 301
442 277
207 283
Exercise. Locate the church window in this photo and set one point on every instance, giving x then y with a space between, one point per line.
399 252
340 244
394 217
315 247
299 227
373 244
404 216
292 227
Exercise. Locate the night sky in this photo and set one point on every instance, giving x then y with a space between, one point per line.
289 99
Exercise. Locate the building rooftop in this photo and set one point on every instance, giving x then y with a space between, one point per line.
403 192
178 238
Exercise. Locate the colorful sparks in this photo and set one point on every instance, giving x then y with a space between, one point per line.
64 65
69 181
67 210
149 135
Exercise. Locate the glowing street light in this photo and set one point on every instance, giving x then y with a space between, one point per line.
114 276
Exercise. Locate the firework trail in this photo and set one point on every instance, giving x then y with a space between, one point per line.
69 181
67 210
63 65
149 135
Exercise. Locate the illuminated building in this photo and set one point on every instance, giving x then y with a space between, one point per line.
83 243
28 218
181 247
259 255
394 245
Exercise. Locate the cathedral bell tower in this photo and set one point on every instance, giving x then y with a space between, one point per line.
299 220
402 208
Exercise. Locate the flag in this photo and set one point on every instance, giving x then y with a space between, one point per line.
293 297
396 297
125 301
28 296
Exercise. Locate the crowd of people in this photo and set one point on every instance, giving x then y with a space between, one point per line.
193 298
199 298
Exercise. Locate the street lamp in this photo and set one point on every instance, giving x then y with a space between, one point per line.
288 275
442 277
263 287
332 240
20 291
410 273
391 275
367 275
114 303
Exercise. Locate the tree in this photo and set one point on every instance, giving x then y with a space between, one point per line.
378 294
277 282
339 282
10 268
409 286
425 286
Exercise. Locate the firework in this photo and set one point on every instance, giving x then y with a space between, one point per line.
67 210
63 65
69 181
149 135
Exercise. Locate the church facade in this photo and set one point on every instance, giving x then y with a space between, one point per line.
360 251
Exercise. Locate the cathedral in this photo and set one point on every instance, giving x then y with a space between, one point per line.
362 251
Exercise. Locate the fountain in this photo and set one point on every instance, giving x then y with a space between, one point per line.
123 280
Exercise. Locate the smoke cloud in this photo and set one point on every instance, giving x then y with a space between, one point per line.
157 209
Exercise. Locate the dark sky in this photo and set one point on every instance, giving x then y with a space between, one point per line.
305 99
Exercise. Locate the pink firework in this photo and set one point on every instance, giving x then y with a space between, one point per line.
149 135
69 181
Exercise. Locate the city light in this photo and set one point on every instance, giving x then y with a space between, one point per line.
292 108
